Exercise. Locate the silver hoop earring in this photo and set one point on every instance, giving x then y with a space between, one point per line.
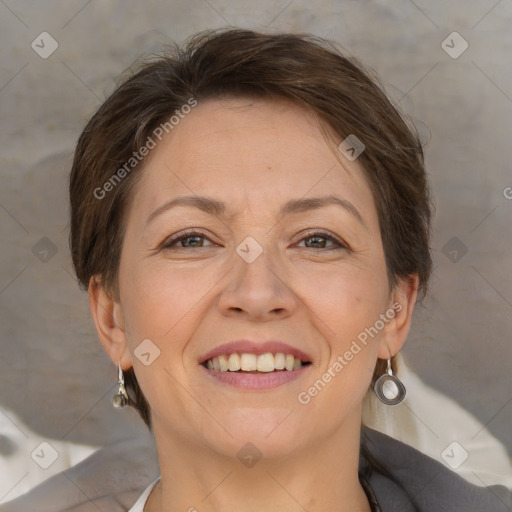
120 399
388 387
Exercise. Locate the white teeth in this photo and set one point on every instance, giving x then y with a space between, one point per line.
267 362
248 362
279 361
224 363
234 363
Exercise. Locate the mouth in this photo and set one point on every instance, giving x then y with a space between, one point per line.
250 365
247 362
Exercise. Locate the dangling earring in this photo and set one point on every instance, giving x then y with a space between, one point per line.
388 387
120 399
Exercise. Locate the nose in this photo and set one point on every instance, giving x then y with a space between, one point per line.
259 291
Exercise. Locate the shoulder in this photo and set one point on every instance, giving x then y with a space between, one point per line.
402 478
112 479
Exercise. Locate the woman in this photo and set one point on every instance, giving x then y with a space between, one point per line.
251 217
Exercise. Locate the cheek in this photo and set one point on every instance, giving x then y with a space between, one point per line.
348 299
347 363
349 305
162 303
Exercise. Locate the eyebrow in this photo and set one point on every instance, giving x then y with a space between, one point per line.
294 206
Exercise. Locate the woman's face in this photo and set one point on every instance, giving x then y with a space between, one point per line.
245 226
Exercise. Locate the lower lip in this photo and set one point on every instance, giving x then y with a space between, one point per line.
257 381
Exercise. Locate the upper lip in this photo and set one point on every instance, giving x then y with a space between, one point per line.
255 347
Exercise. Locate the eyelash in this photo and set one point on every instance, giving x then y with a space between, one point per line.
169 243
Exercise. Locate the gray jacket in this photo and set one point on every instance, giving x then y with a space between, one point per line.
396 477
406 480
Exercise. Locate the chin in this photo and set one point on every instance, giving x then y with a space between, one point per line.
274 432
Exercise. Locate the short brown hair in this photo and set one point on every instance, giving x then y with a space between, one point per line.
304 69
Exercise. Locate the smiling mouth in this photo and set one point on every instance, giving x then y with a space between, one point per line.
256 364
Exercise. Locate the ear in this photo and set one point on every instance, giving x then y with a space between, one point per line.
108 319
403 300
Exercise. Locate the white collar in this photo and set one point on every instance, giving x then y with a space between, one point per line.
138 506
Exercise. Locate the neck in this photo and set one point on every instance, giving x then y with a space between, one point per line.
323 476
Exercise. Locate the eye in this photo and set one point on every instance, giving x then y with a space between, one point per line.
195 239
320 239
188 239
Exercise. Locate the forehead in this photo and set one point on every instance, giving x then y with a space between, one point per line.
261 151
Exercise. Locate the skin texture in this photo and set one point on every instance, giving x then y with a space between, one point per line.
309 292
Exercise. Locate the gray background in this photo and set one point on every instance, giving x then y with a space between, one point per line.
53 372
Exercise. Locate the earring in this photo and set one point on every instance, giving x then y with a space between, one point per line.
388 387
120 399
